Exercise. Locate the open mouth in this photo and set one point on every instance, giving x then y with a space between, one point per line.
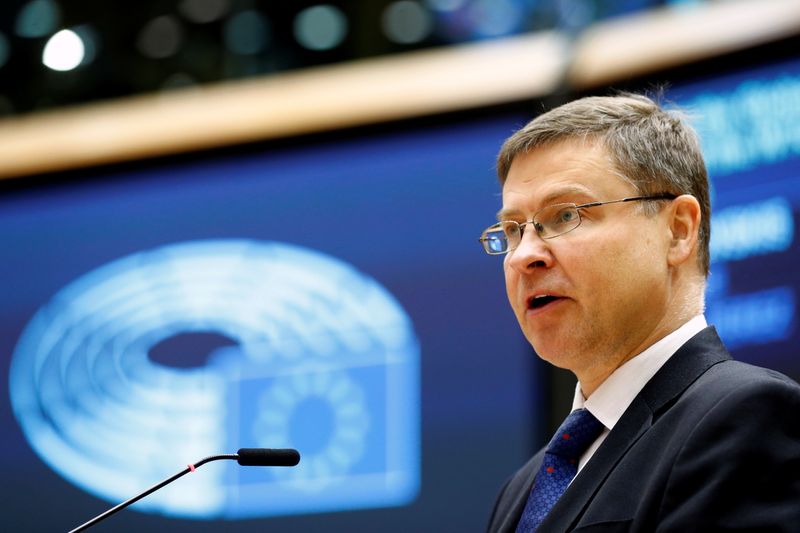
538 302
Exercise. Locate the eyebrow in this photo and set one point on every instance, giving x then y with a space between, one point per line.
572 190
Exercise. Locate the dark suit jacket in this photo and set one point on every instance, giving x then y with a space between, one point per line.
709 444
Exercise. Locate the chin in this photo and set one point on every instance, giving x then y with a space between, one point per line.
555 353
543 349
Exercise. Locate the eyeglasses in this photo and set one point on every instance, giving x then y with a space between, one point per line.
549 222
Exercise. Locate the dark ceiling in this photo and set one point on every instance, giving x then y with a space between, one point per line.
59 52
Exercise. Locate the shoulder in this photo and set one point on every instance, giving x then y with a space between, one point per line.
730 417
741 398
744 420
741 454
731 382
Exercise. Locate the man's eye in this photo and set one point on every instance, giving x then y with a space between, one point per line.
565 216
512 229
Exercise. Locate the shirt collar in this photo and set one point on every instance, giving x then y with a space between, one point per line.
610 400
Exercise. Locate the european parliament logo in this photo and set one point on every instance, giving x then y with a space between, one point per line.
322 358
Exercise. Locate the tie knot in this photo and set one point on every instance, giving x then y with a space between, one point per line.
575 435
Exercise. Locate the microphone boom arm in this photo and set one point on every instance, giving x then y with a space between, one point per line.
245 453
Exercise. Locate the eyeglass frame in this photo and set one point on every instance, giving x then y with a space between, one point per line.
482 239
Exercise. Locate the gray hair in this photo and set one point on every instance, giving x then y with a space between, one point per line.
654 149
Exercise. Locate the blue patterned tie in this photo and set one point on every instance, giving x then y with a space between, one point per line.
559 466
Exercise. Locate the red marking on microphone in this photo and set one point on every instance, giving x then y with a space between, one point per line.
192 468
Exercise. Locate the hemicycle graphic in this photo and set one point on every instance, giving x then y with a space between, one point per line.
322 358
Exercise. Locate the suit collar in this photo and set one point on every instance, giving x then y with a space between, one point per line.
703 351
695 357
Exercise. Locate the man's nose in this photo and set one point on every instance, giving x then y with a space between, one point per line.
532 252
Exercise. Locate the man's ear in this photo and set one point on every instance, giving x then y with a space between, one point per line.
684 224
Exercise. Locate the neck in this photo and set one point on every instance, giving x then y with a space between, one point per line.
683 306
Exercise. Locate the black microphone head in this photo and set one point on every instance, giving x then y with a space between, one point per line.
268 457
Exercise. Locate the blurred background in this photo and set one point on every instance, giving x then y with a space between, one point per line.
240 223
56 53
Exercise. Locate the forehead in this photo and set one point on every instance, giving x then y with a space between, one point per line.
569 170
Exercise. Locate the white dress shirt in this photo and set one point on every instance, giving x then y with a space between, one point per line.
610 400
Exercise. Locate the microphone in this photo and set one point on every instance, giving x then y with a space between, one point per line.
268 457
244 456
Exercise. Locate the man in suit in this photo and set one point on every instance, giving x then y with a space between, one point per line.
605 230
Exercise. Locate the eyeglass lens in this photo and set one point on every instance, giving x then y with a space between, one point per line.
556 220
551 221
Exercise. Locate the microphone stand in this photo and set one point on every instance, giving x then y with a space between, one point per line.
190 468
245 457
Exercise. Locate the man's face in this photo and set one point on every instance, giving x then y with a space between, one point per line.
609 276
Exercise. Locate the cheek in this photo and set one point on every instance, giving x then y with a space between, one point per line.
647 259
624 272
512 279
599 268
508 273
507 270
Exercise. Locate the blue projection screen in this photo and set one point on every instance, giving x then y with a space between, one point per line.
329 296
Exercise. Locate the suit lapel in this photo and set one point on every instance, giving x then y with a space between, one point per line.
687 364
520 487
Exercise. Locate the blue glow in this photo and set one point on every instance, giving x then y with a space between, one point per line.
752 229
754 123
748 124
755 318
308 328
